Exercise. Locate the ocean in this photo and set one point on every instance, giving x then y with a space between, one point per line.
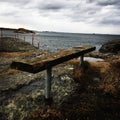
53 41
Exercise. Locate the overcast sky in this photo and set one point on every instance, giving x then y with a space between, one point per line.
81 16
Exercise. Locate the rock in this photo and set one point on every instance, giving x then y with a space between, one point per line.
96 79
112 46
8 44
23 30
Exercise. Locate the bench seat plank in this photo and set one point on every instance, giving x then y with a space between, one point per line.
37 64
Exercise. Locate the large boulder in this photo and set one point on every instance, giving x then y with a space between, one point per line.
8 44
112 46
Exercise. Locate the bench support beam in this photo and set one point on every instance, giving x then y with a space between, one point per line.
81 60
48 82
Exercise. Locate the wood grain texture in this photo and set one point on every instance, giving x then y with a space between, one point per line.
37 64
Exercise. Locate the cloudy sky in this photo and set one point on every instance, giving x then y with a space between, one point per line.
81 16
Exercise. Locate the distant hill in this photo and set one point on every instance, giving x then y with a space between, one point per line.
19 30
23 30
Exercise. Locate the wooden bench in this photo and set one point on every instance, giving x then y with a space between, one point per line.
47 61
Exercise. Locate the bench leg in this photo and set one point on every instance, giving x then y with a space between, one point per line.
48 83
81 60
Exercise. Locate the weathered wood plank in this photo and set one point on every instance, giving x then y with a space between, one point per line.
37 64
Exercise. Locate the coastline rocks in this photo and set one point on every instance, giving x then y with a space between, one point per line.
112 46
8 44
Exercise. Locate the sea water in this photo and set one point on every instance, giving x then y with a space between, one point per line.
53 40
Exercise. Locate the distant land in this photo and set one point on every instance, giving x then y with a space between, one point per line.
2 28
14 29
19 30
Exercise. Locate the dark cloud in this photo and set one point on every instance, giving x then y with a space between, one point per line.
104 2
110 22
109 2
51 6
51 9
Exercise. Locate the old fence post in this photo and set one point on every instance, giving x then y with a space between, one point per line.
1 33
32 38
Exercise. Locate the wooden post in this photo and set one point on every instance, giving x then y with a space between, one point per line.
33 39
24 38
15 35
81 60
38 45
18 35
1 33
48 83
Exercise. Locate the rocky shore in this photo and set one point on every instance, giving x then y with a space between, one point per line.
79 93
8 44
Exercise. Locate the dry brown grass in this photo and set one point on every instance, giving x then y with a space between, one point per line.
102 66
9 71
92 100
46 114
15 54
108 73
111 78
93 69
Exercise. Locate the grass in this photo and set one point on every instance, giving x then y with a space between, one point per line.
97 96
